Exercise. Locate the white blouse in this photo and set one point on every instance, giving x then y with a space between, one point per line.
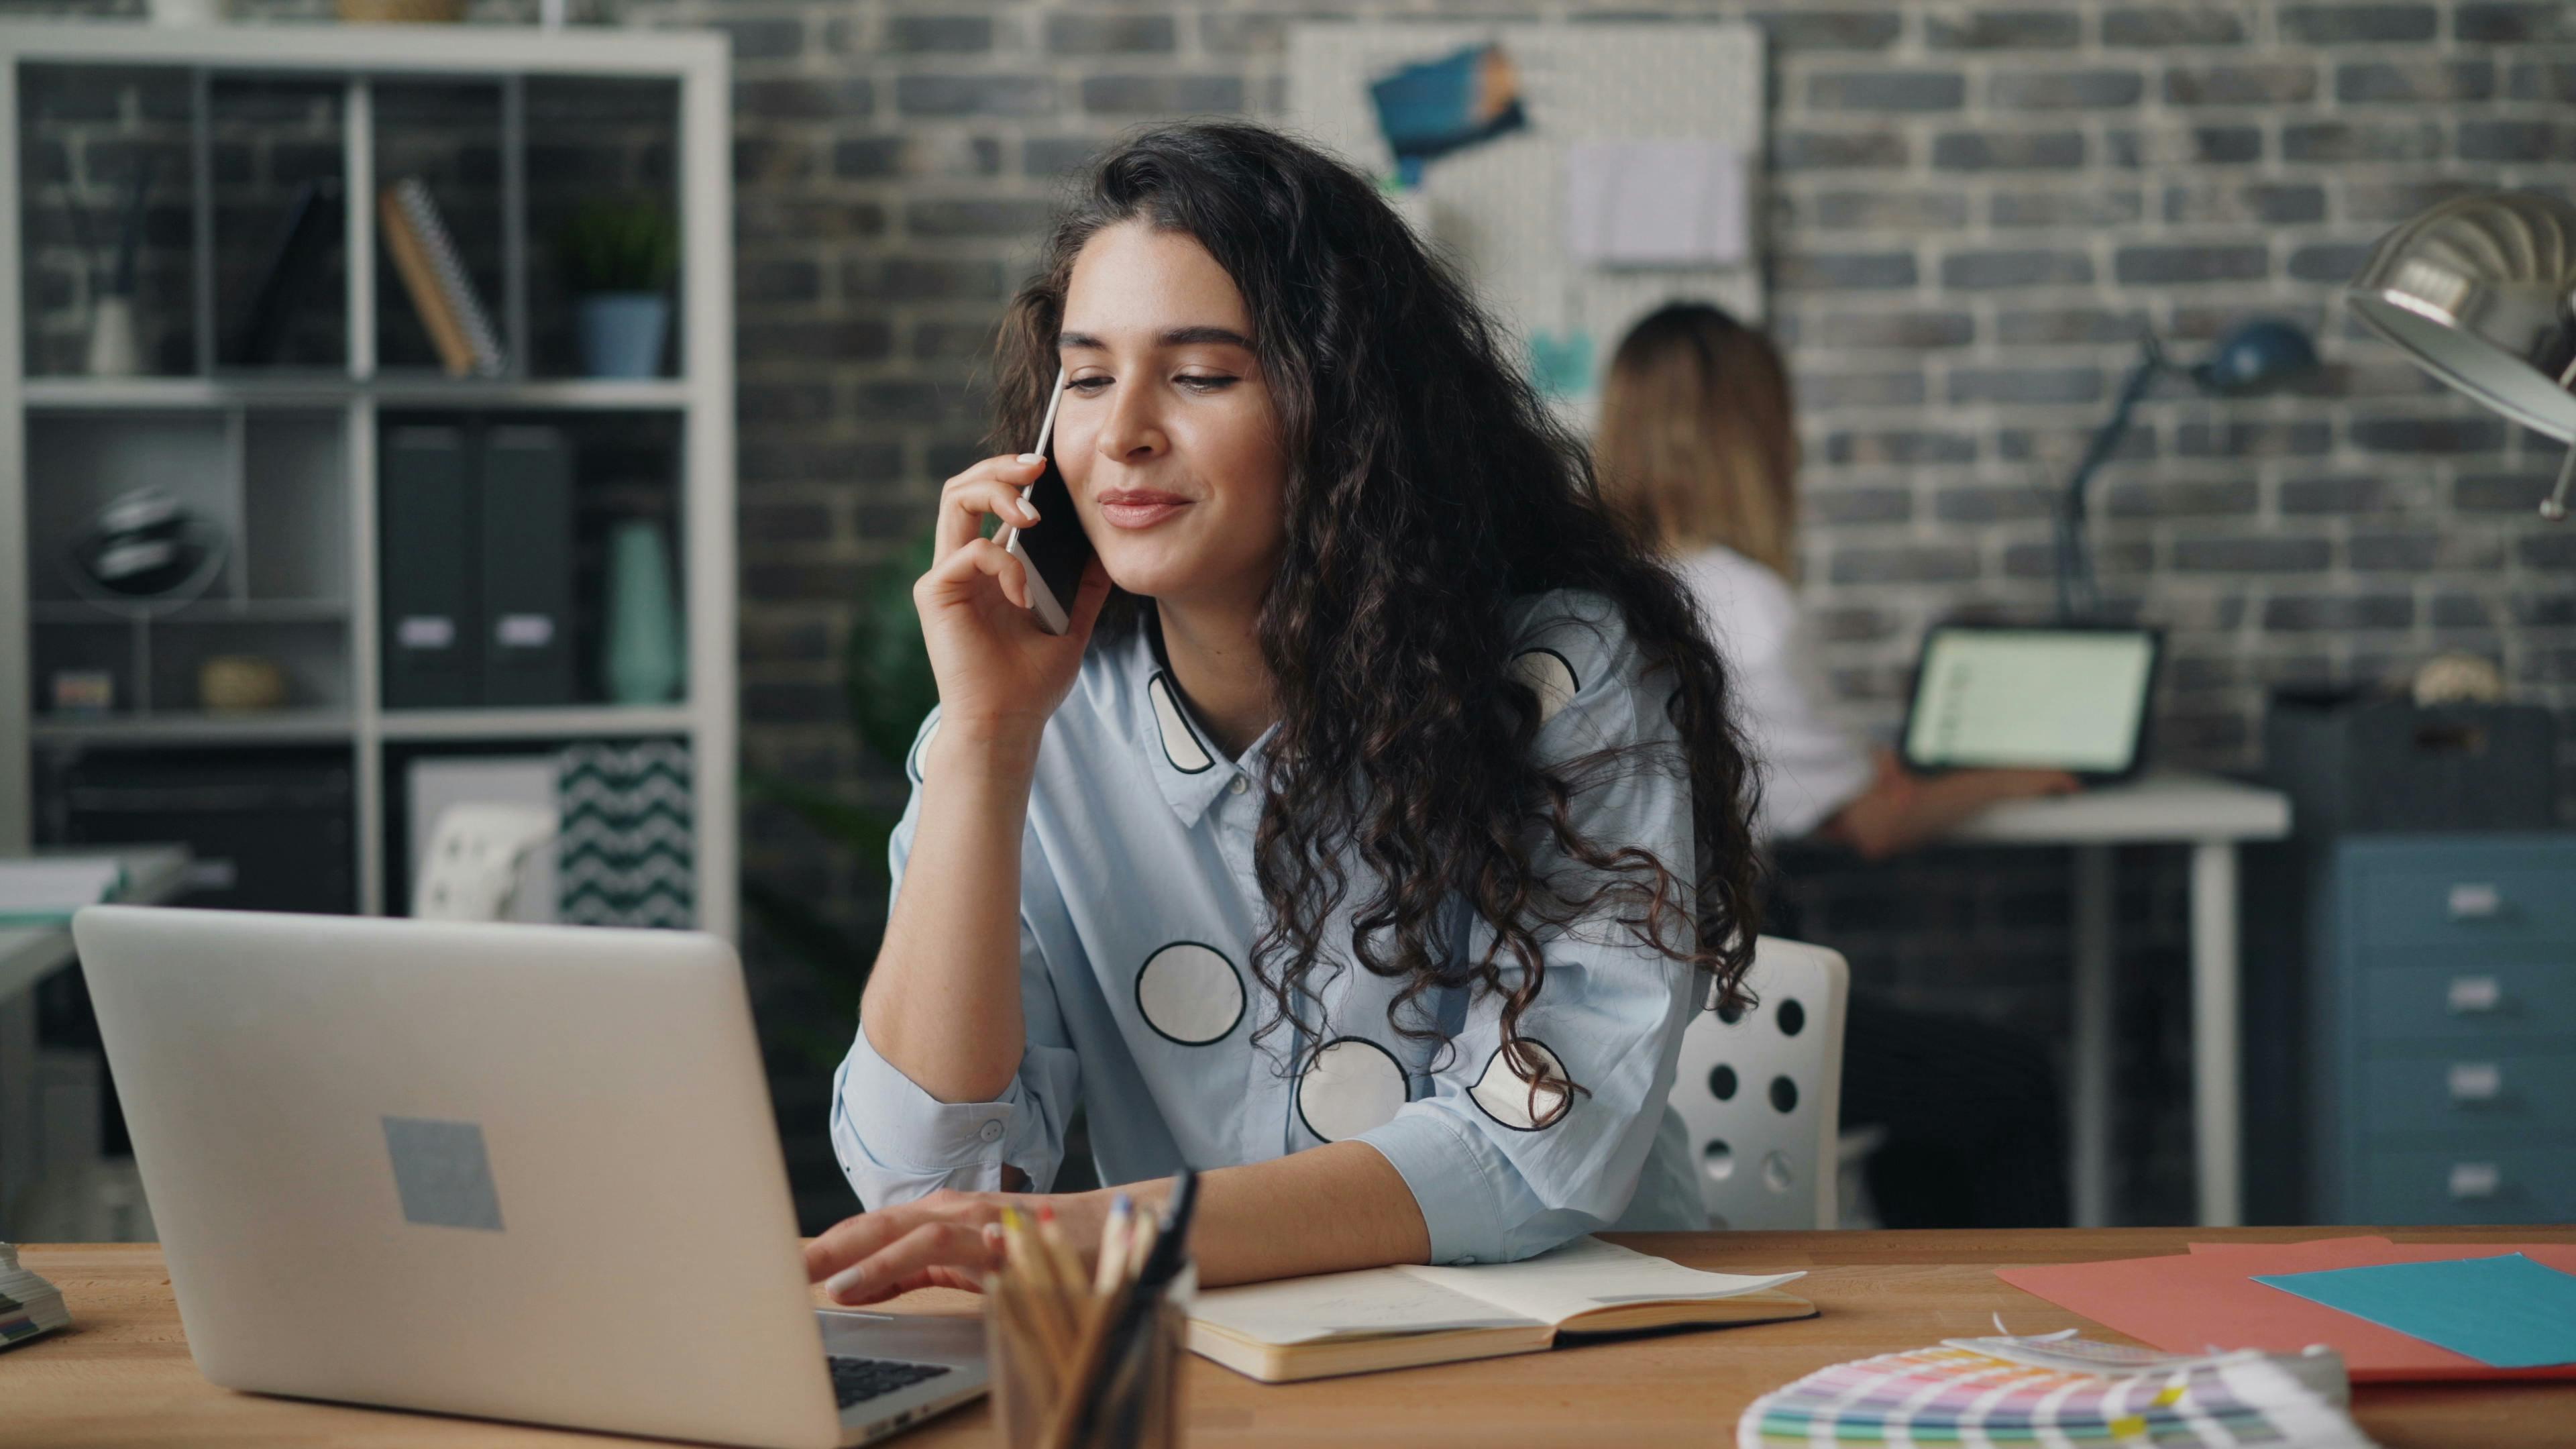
1810 765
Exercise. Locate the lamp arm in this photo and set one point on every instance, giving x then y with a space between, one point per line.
2074 550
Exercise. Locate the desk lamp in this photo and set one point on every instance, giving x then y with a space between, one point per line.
2254 357
2480 291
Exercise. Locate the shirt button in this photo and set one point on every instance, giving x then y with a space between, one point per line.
990 1132
1239 786
1467 1260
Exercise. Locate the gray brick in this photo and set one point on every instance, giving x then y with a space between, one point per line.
1808 150
1076 34
2528 20
952 341
2514 493
840 98
770 459
2253 83
2004 30
1843 506
1805 28
772 523
2339 494
2299 612
1992 503
938 34
2184 145
1837 271
2025 384
2065 90
974 95
2056 446
2328 261
2028 267
2426 435
2299 438
2276 203
2415 551
2516 141
2395 201
2073 207
1060 156
1876 210
1899 447
923 279
1017 219
1927 563
2415 80
2181 498
1161 93
2197 262
2229 553
2349 24
1896 329
2008 150
819 340
923 153
758 282
2545 81
782 402
1845 387
2043 326
1243 35
2161 26
769 38
2361 141
1886 90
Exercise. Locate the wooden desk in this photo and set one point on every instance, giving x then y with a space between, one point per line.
122 1376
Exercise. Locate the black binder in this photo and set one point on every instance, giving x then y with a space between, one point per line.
431 591
526 492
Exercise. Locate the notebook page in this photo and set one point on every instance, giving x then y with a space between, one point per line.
1587 1274
1338 1305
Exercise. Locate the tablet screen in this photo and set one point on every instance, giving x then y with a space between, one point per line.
2069 699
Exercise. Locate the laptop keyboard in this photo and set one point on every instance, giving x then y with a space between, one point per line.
857 1380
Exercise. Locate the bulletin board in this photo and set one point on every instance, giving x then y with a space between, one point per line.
1499 207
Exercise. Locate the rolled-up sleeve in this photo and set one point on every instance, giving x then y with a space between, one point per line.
1502 1172
897 1142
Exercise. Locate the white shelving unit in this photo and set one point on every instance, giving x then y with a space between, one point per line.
44 419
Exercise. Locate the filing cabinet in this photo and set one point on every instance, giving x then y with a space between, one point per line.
2445 1003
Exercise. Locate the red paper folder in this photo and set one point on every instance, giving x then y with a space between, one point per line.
2208 1298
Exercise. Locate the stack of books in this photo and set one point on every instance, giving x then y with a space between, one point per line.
28 1304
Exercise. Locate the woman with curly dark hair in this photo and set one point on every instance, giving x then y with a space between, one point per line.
1372 835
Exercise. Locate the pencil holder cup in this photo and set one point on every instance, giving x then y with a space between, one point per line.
1132 1401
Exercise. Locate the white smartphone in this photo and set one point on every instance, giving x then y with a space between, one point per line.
1054 550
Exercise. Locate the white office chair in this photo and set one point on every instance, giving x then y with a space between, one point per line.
474 860
1761 1094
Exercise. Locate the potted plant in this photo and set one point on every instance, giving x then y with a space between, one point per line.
619 255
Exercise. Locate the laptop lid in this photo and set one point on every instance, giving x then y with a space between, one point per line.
520 1172
2060 698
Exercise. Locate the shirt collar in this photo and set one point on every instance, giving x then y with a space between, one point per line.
1177 747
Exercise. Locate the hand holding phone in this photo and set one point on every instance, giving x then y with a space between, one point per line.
1053 550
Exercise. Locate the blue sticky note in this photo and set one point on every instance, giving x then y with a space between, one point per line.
2505 1311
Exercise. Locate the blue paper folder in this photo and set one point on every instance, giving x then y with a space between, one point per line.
2506 1312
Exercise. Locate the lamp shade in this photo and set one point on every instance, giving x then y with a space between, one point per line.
2255 357
2480 291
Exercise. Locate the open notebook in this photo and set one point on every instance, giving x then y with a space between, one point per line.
1383 1318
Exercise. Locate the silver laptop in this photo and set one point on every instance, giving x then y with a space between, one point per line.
518 1172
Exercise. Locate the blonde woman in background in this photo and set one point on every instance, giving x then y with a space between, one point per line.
1698 444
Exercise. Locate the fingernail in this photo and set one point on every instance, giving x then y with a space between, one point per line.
1032 457
1028 514
841 1284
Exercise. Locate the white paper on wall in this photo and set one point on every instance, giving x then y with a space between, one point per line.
1655 204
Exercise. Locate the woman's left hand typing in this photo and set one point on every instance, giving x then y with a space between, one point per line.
946 1240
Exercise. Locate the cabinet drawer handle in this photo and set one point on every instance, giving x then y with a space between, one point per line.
2475 1179
2475 902
2475 993
2476 1082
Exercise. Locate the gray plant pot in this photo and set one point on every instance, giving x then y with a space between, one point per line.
621 333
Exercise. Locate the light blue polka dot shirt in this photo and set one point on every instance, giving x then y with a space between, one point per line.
1138 910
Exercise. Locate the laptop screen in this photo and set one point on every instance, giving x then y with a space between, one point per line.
2069 699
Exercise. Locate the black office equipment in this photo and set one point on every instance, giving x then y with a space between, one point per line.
314 224
432 593
527 550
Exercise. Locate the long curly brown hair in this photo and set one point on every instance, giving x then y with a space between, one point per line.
1428 488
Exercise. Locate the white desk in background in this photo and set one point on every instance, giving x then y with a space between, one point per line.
29 954
2171 807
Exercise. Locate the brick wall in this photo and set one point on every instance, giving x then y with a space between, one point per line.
1975 211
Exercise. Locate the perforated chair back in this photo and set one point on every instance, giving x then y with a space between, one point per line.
1761 1094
